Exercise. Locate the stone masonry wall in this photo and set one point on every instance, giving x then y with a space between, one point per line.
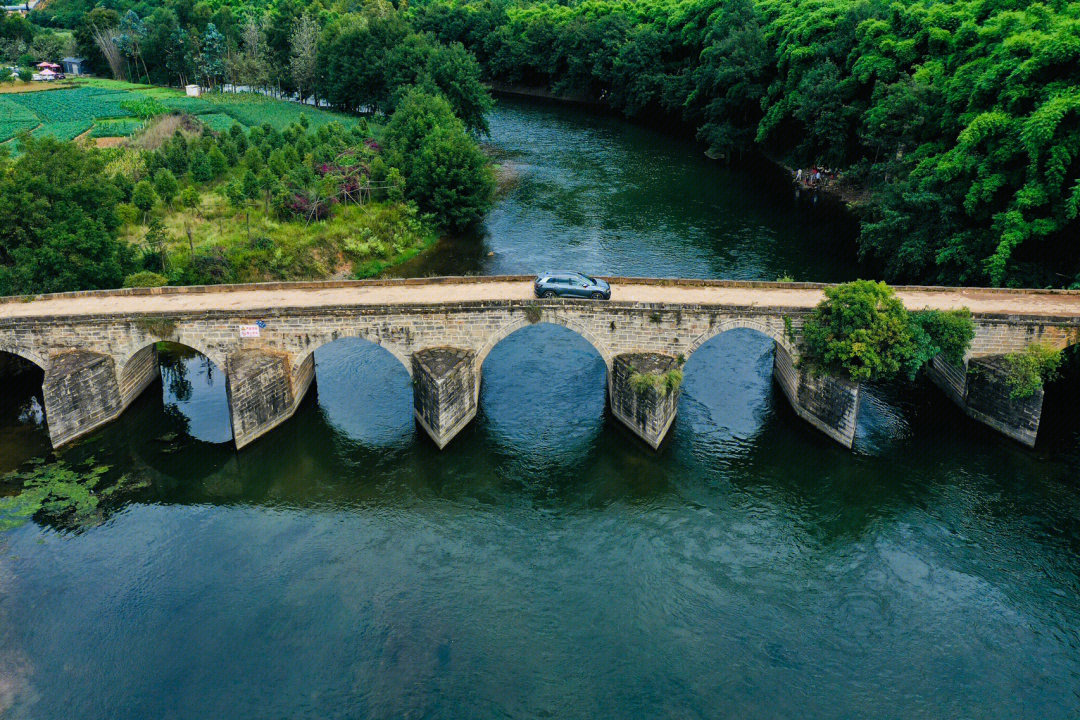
981 391
261 395
989 400
649 412
141 370
829 404
81 394
445 386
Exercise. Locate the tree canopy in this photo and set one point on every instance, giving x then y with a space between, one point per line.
57 221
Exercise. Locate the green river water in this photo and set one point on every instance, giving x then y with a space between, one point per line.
547 563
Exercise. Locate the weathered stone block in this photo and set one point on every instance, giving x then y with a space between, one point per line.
262 392
983 392
444 391
81 393
141 370
828 403
647 410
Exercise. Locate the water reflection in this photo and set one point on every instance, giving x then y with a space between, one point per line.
205 413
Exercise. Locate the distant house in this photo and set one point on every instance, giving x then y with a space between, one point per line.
72 65
193 90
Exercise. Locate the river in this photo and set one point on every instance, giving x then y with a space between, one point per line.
547 563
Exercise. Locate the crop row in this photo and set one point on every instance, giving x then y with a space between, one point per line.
68 130
57 106
14 118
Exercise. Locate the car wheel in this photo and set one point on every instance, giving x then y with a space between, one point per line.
549 293
598 296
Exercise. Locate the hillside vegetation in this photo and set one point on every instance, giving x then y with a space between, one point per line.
236 187
957 119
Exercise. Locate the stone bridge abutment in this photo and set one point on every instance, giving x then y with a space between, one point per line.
96 363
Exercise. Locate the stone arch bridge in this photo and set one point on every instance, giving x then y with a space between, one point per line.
98 349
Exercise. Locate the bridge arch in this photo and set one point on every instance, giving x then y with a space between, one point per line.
132 356
777 334
403 355
30 356
549 319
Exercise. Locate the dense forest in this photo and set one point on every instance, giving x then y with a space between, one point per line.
958 117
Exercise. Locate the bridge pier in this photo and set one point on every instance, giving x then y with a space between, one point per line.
983 394
828 403
81 394
445 385
264 391
647 408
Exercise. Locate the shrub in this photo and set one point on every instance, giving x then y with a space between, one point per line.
946 332
663 383
1027 371
127 213
860 331
165 185
145 278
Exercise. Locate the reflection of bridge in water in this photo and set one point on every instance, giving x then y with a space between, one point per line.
98 349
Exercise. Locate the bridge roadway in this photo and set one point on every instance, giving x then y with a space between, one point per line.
98 349
240 298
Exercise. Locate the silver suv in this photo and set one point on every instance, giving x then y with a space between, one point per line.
571 284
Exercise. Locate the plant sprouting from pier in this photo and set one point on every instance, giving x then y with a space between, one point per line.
1027 371
662 383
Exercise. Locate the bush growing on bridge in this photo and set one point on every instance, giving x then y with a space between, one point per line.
862 331
1027 371
663 383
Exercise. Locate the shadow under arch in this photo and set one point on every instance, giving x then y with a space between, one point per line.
542 394
24 429
363 392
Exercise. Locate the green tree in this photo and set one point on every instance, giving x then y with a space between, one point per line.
201 169
166 186
418 114
57 221
144 197
189 197
218 162
452 178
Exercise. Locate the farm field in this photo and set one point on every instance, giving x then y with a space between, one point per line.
107 108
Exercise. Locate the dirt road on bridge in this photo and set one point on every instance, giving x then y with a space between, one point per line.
263 299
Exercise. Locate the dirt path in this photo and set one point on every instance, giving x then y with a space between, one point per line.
979 301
